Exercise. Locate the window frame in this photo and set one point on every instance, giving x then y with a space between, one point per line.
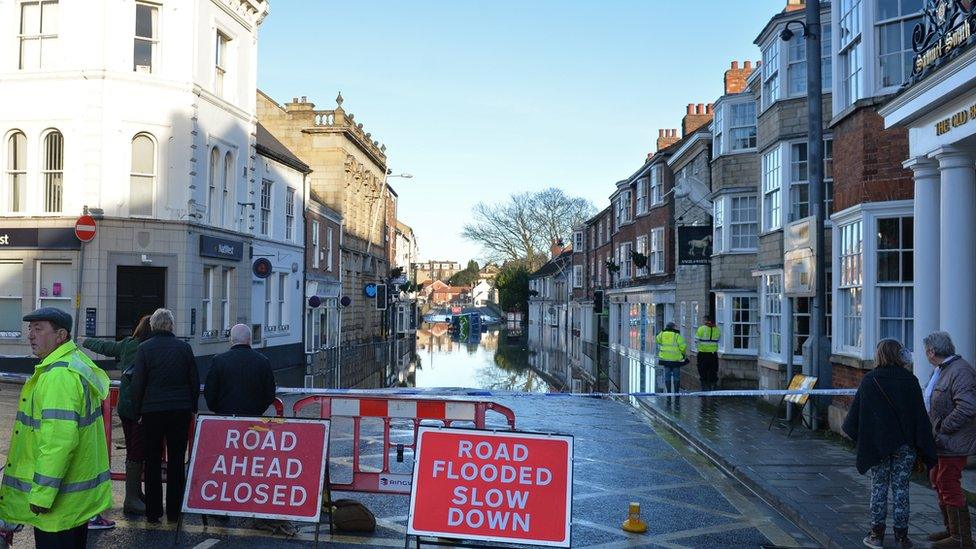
657 185
212 185
53 176
290 213
40 36
221 49
153 41
15 175
17 268
771 89
655 259
315 242
772 216
267 201
207 323
151 176
903 21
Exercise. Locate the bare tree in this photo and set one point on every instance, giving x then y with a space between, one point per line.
523 228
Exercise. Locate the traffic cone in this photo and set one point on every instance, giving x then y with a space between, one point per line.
634 523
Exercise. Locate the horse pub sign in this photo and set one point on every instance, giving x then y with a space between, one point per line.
694 245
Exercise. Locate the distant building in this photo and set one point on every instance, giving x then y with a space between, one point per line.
483 293
436 270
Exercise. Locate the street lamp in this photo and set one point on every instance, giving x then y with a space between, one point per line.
819 363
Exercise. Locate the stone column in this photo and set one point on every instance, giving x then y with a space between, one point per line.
926 266
957 251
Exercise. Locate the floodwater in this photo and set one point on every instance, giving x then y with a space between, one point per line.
495 359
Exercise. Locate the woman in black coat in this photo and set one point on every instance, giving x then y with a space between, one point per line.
165 394
889 426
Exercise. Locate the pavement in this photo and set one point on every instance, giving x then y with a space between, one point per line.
808 476
621 456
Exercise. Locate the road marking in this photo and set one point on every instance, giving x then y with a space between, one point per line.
207 544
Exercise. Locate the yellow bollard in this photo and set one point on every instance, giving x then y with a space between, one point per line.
634 523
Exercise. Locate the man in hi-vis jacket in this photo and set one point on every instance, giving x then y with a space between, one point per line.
57 471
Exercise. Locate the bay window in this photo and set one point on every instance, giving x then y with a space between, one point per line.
742 126
771 183
770 73
744 223
849 289
718 225
773 314
850 51
895 276
718 130
736 314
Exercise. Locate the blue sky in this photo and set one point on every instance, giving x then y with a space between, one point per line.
480 100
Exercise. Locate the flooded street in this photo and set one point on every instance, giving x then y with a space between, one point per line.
502 361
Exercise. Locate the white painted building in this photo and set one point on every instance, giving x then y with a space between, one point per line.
151 127
938 106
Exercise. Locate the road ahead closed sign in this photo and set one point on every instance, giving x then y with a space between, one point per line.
492 486
257 467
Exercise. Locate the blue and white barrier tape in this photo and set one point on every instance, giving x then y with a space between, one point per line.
467 392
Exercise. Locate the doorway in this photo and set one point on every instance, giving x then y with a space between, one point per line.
139 291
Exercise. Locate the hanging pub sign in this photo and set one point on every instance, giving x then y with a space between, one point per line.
946 29
694 245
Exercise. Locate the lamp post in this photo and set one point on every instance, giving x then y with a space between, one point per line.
819 364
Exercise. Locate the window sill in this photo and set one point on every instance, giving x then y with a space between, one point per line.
738 353
771 231
736 252
751 150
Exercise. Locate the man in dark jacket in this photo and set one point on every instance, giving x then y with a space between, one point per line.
165 393
950 397
240 382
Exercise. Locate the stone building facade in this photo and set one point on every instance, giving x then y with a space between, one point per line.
782 130
735 207
349 175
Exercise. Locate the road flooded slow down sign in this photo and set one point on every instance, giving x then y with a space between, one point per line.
258 467
492 486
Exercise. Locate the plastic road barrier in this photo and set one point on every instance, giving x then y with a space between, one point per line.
492 486
261 467
390 408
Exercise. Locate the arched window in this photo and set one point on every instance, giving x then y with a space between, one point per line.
142 175
225 203
53 171
16 171
212 188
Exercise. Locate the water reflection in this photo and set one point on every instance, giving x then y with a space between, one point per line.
490 359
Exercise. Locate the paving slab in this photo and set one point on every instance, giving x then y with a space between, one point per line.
809 476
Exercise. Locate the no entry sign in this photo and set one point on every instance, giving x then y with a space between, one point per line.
258 467
85 228
492 486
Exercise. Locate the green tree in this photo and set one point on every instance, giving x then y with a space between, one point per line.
513 287
466 277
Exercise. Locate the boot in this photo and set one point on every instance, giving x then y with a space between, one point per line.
901 539
134 500
939 536
965 527
954 541
875 537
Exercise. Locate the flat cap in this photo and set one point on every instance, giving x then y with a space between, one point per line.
55 316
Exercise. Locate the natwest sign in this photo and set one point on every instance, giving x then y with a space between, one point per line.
492 486
257 467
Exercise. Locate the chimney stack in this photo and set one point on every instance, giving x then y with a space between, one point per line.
793 5
735 77
556 248
666 138
696 117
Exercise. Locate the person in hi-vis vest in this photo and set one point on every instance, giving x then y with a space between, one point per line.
707 337
671 355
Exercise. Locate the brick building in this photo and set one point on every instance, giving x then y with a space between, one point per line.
877 292
323 289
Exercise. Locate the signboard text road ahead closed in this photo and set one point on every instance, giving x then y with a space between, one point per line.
492 486
257 467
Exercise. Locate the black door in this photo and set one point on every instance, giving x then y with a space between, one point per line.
139 291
